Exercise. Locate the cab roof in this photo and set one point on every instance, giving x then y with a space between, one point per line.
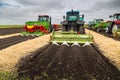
70 12
117 14
43 16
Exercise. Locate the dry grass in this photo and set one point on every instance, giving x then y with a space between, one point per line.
11 55
110 47
10 35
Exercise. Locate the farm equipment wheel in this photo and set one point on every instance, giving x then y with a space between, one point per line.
63 28
98 29
106 30
82 30
50 29
114 28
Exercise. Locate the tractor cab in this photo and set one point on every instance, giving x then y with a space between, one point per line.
73 16
115 16
114 27
99 20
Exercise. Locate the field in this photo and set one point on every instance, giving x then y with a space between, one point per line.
69 63
36 59
11 26
10 29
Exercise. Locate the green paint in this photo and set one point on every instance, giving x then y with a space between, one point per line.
71 37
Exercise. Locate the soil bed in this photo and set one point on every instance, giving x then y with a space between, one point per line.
6 42
6 31
67 63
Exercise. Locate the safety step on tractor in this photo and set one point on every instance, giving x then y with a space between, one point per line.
73 32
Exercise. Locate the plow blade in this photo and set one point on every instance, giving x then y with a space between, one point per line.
71 38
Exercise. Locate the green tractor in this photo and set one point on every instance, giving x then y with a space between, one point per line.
73 31
38 28
114 27
91 24
98 25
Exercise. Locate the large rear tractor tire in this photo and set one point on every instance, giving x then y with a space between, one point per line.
114 28
50 29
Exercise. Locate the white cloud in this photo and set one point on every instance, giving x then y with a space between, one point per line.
30 9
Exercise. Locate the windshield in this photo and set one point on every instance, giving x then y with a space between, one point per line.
117 16
99 20
43 18
72 16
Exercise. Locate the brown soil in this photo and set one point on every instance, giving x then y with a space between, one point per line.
6 31
6 42
9 35
67 63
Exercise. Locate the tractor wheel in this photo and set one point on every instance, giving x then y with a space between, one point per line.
106 30
114 28
50 29
82 30
63 28
98 29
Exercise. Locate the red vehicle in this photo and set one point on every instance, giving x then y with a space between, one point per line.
115 24
55 26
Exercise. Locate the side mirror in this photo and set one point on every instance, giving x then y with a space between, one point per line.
63 17
110 16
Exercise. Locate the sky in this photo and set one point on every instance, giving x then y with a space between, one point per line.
21 11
